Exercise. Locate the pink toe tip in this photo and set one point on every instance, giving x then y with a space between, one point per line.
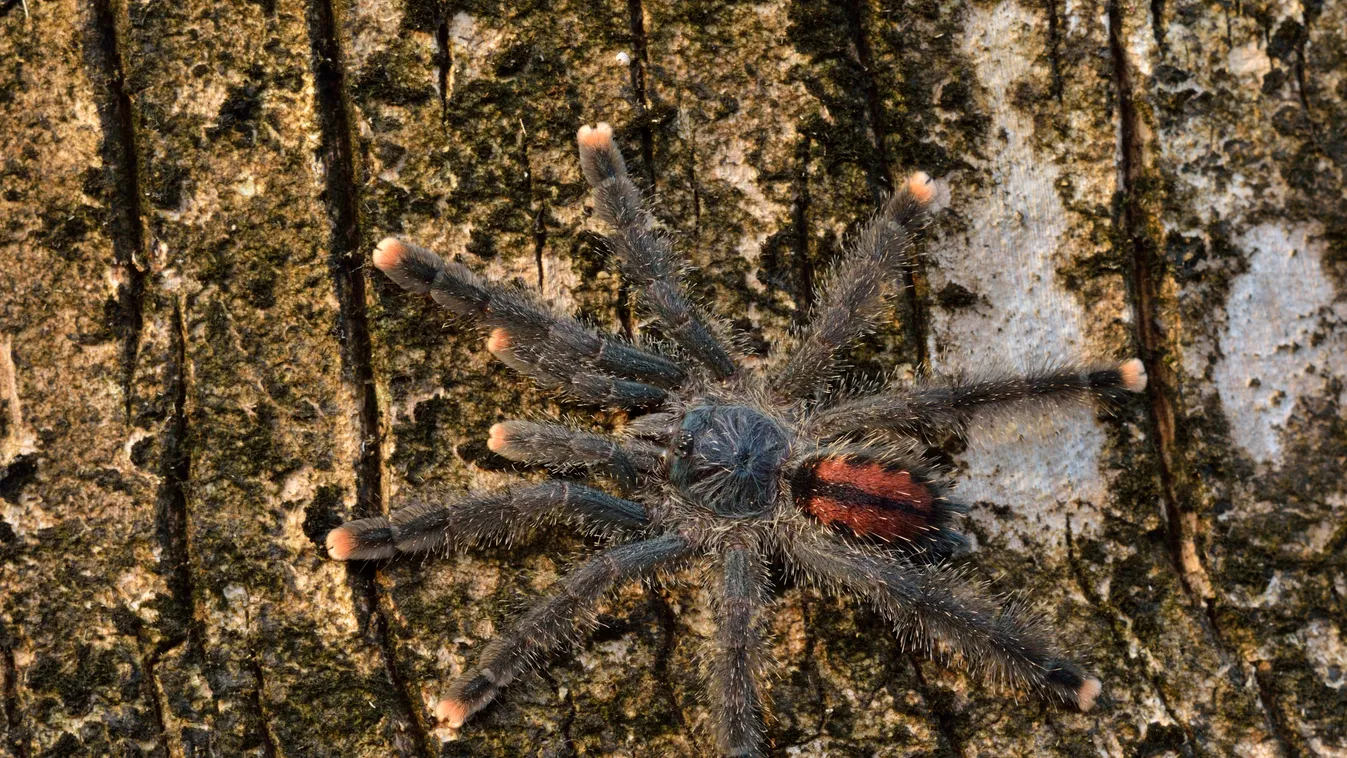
595 137
499 341
1133 375
498 437
451 713
1087 693
340 543
389 253
921 187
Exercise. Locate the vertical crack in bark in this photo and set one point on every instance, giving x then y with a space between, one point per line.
947 730
1162 388
270 749
668 624
640 61
345 263
1146 273
799 243
626 307
150 655
539 215
880 175
16 734
444 61
1293 744
122 171
1158 23
171 514
1055 49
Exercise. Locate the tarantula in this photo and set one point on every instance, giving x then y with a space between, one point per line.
732 464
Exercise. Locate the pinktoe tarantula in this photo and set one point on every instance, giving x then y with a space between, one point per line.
733 465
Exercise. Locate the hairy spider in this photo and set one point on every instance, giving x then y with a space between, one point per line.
734 465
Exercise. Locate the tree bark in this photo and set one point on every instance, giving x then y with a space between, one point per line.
199 375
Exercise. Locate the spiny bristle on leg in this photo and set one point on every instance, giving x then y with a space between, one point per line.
389 253
1087 693
1133 375
921 187
598 137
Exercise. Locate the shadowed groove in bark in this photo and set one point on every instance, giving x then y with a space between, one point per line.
1146 273
1293 743
269 748
1055 49
668 624
799 243
444 61
640 61
171 513
150 656
122 171
1147 270
345 262
880 175
16 735
948 732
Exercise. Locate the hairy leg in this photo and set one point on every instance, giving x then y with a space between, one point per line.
648 261
940 613
562 446
552 623
853 296
927 411
505 515
735 667
553 349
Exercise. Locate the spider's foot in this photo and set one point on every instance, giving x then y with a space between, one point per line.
1089 690
921 187
451 713
368 539
1133 375
595 137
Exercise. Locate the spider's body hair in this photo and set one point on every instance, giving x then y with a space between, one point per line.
735 465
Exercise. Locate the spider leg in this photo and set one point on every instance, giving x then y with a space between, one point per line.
853 296
552 623
739 725
556 350
925 412
504 515
938 612
647 258
557 445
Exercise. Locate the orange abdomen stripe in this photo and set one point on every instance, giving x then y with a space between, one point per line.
868 498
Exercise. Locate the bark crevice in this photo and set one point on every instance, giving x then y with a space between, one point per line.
346 266
122 171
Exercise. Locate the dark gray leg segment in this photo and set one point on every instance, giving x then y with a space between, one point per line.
647 258
853 296
504 516
939 613
739 710
552 623
546 346
928 411
561 446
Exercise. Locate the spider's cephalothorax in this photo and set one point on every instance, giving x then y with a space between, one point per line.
732 465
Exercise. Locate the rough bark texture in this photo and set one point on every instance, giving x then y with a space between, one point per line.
199 375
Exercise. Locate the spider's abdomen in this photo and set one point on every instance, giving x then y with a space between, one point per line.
871 498
728 458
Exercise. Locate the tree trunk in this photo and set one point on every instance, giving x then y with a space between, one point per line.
199 375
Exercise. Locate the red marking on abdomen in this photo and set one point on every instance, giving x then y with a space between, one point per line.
867 497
